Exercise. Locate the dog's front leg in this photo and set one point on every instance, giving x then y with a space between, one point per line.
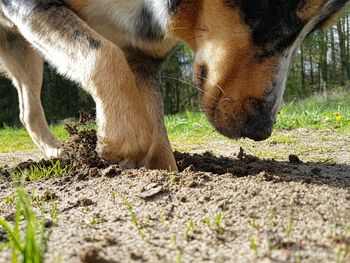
125 129
147 70
25 68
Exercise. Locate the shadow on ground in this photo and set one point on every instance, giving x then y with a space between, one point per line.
336 175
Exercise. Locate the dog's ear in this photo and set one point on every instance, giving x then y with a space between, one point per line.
331 21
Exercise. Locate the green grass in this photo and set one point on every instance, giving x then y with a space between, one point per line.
25 247
134 219
38 172
17 139
317 113
193 128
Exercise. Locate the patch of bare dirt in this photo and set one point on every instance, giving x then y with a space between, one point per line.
216 209
13 158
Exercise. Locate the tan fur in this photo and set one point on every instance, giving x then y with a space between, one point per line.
184 25
160 154
77 5
110 90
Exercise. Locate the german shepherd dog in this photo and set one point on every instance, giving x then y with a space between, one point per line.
115 49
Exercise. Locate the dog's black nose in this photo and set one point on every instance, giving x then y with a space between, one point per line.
258 129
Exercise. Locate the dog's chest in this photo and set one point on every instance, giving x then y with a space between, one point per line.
125 22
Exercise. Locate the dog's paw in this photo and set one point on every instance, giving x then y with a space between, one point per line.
52 152
127 152
160 157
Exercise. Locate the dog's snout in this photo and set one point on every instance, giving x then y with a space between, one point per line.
258 129
258 126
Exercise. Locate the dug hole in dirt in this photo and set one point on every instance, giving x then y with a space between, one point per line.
216 209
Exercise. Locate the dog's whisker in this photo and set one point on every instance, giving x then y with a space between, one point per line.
225 99
217 85
222 90
193 38
205 30
192 85
188 27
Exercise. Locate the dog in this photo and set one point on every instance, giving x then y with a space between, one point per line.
115 50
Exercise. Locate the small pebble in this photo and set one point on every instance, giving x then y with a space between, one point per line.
85 202
294 159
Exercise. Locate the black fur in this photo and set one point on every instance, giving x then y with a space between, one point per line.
83 37
145 65
56 10
274 23
30 5
14 42
173 5
147 27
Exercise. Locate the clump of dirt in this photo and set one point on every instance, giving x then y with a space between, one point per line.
4 173
80 147
208 162
294 159
78 151
92 255
86 118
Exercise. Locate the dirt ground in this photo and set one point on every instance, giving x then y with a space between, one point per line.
236 208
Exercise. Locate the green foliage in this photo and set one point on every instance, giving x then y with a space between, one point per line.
289 228
27 248
207 222
40 171
219 219
61 99
254 246
179 92
191 228
9 110
17 139
134 218
189 127
332 112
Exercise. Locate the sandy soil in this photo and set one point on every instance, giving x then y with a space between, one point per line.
237 208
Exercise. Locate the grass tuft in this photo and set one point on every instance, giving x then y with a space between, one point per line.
28 248
134 218
40 171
